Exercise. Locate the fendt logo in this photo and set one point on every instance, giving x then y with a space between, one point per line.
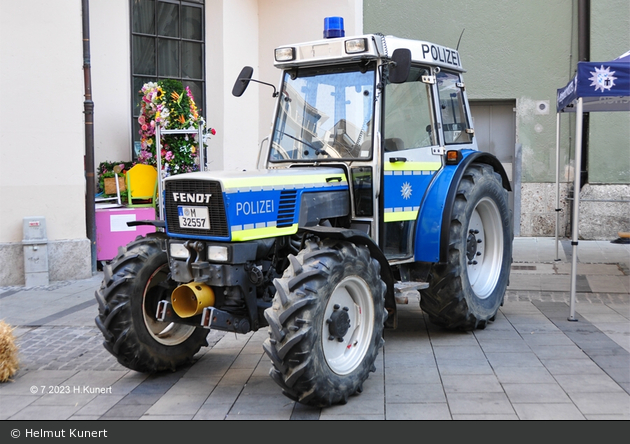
192 197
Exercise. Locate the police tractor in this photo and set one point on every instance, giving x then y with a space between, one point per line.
370 185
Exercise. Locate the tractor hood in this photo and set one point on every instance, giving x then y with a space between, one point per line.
247 205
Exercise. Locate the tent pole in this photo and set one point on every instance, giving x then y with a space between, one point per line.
557 180
576 203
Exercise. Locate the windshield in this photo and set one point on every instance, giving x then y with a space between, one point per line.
325 113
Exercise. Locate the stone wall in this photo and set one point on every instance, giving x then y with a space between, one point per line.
67 260
538 210
604 211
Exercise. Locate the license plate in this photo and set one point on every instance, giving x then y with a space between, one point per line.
194 217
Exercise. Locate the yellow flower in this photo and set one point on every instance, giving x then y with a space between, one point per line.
193 149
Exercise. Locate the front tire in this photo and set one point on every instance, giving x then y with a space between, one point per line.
326 323
467 291
132 286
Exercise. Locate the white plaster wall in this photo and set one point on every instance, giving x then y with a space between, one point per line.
111 88
41 118
231 36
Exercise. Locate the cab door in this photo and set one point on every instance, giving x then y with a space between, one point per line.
409 142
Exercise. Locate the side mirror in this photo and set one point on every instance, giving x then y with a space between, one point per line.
400 66
242 81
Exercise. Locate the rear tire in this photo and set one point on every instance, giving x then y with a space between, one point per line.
326 323
132 286
467 292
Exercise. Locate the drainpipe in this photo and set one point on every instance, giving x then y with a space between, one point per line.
88 107
584 55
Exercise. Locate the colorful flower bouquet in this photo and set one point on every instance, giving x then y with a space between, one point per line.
169 105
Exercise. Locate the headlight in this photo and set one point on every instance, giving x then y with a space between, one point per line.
178 251
355 46
285 54
218 253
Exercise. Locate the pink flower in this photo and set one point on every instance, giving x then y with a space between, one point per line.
212 131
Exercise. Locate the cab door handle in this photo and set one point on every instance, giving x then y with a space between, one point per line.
397 159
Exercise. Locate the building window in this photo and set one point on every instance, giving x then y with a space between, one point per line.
167 42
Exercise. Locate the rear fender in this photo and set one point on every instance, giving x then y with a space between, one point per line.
434 216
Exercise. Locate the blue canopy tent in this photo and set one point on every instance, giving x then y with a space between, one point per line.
597 87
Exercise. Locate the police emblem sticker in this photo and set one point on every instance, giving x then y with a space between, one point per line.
602 79
405 190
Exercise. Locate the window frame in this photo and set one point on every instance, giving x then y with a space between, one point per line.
138 79
430 102
461 110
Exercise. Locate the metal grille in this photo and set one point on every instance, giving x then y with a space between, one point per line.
216 207
286 208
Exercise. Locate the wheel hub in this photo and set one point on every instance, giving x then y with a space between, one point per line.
338 323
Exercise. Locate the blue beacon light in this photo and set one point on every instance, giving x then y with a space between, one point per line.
333 27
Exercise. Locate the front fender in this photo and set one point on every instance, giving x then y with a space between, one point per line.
434 216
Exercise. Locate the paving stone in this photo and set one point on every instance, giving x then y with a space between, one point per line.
486 417
129 411
519 375
471 383
602 403
535 393
418 411
588 383
450 352
187 405
479 403
213 411
12 404
530 363
411 393
548 411
50 412
511 359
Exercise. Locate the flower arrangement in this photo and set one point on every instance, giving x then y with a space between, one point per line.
169 105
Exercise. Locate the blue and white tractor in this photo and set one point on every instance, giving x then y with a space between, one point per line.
370 185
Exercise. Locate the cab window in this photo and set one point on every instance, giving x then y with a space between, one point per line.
408 118
453 110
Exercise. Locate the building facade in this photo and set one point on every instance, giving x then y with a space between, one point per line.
516 55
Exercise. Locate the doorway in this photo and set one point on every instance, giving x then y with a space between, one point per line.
495 130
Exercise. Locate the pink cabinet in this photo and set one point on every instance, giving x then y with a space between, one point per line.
112 230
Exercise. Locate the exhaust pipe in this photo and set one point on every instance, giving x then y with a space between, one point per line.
190 299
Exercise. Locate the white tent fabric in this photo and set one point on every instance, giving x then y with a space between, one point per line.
597 87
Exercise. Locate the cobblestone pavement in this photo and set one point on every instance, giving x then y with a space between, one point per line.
531 363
